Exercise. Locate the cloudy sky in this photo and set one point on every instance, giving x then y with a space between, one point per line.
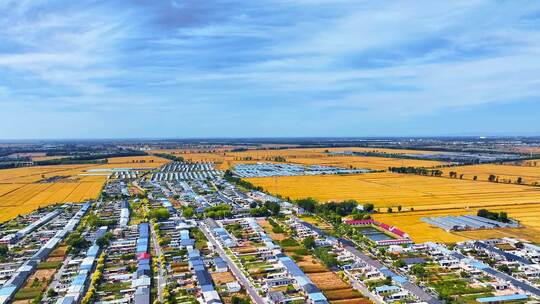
192 68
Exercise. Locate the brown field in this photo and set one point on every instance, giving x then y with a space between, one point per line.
310 265
506 173
222 277
41 275
344 294
351 301
333 287
327 281
392 190
268 229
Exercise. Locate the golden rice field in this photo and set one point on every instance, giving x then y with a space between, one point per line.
307 156
506 173
365 162
530 163
410 222
23 198
136 162
33 174
392 190
22 189
42 158
378 150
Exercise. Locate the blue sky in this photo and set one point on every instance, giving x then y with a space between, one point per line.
172 68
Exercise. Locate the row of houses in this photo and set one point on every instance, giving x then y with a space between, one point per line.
197 266
143 274
18 279
14 238
80 282
188 167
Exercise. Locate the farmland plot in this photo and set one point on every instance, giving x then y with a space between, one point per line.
392 190
23 190
504 173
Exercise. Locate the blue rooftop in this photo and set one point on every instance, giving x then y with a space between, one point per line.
7 290
386 288
92 251
318 296
513 297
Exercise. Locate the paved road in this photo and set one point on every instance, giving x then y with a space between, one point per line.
161 273
363 289
234 268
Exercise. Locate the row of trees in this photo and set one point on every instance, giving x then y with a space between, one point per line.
170 156
416 170
452 174
496 216
267 208
96 277
240 182
335 211
220 211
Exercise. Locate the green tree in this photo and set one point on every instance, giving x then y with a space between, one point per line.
418 270
309 204
368 207
399 263
188 212
159 214
77 242
3 250
309 242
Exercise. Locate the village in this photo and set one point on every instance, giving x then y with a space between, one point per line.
190 234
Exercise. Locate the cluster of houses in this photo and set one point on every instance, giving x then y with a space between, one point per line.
466 257
281 270
185 171
178 232
116 188
360 268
